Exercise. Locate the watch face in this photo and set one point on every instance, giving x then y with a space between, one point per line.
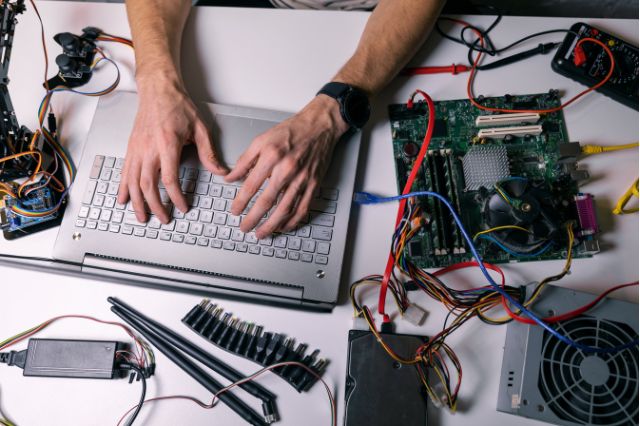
357 108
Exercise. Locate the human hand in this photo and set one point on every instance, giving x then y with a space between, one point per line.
166 121
293 156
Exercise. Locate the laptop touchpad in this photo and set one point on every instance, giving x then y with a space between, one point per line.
233 134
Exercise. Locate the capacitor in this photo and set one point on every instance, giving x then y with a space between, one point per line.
410 149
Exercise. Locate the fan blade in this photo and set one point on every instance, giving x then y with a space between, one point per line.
514 187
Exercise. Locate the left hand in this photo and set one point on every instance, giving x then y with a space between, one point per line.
293 156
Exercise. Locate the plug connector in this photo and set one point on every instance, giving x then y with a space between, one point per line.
414 314
14 358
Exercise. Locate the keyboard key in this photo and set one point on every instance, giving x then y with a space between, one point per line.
154 223
254 249
105 215
202 188
117 217
178 238
237 235
192 215
206 203
83 212
113 189
323 248
321 233
165 236
304 231
322 219
152 234
109 162
89 191
220 218
229 245
193 200
206 216
102 226
188 186
119 163
91 224
210 231
323 206
267 241
102 187
295 244
139 232
229 192
215 190
329 194
224 233
117 176
98 200
306 257
94 213
204 176
220 205
281 253
233 220
322 260
190 239
250 237
191 174
114 228
242 247
127 229
203 241
294 255
169 226
106 174
110 202
280 241
80 223
130 219
216 244
182 226
96 167
267 251
309 246
196 228
120 206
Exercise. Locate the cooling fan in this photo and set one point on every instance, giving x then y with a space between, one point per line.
516 201
545 379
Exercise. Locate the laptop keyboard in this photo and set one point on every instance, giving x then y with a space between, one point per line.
208 223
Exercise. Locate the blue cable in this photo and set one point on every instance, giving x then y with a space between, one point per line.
367 198
493 240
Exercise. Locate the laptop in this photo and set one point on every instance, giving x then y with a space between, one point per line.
203 250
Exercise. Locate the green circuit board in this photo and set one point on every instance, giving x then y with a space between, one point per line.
538 167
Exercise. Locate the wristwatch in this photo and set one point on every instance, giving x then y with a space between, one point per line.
354 103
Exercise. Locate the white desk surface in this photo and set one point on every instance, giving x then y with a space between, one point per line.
278 59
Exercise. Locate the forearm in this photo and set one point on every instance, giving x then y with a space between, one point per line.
156 28
393 34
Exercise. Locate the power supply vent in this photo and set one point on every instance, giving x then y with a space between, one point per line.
594 389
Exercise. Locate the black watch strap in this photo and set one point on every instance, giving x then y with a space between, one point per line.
354 103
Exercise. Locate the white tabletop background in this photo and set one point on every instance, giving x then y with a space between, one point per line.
278 59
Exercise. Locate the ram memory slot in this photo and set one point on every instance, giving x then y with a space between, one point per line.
438 184
455 200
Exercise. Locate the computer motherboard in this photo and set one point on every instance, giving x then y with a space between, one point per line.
512 178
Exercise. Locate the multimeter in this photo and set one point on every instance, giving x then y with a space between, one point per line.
589 63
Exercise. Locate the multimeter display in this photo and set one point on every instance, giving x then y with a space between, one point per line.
590 63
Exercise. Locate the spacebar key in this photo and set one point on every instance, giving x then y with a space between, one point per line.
89 191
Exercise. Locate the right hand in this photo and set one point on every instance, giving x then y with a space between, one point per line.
166 121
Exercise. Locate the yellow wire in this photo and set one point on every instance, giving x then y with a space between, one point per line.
499 228
624 200
597 149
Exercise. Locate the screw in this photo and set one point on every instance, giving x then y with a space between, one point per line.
76 236
526 207
320 273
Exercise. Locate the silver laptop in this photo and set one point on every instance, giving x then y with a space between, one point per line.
204 250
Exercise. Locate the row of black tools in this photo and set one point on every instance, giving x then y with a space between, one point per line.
249 341
177 348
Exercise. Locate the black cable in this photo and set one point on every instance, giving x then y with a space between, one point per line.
143 395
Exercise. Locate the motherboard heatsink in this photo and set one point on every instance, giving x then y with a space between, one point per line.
545 379
512 178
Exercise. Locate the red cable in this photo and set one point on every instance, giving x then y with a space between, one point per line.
407 188
450 69
566 315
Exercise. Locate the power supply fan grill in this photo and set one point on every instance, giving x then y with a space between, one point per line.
594 389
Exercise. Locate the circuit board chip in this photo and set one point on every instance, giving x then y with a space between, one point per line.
484 165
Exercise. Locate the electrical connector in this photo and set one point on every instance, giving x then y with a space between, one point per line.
359 323
414 314
14 358
579 56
